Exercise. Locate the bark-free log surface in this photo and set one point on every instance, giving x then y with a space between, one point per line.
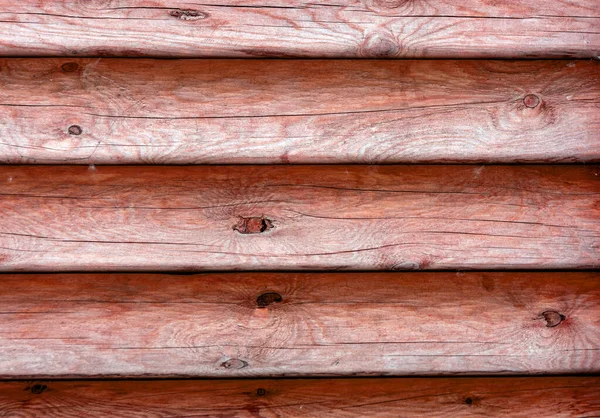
316 28
275 324
264 111
298 217
410 397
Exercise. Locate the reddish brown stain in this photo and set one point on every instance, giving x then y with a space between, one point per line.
488 283
426 263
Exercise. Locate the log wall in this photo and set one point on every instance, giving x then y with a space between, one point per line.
103 111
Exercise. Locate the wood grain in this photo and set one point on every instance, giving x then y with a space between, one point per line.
300 28
298 324
115 111
410 397
133 218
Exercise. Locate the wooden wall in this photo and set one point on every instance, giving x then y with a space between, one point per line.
391 397
299 217
298 324
301 28
187 233
102 111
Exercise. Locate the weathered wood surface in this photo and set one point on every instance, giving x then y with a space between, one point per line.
263 111
284 324
410 397
136 218
300 28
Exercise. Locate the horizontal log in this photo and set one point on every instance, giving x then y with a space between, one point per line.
298 324
301 28
133 218
456 397
115 111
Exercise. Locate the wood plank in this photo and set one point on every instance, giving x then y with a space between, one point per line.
263 111
411 397
300 28
133 218
293 324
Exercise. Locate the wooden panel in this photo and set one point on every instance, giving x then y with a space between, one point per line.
267 324
321 28
299 217
456 397
230 111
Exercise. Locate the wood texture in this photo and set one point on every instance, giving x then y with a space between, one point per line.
293 324
299 217
119 111
299 28
411 397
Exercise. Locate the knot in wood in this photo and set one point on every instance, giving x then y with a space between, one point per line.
253 225
69 67
75 130
188 14
553 318
38 388
390 4
261 392
531 101
234 363
380 45
267 299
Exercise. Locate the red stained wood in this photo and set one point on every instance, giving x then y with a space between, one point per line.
316 217
300 28
278 324
457 397
229 111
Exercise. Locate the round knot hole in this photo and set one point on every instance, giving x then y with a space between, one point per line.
267 299
531 101
553 318
75 130
261 392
